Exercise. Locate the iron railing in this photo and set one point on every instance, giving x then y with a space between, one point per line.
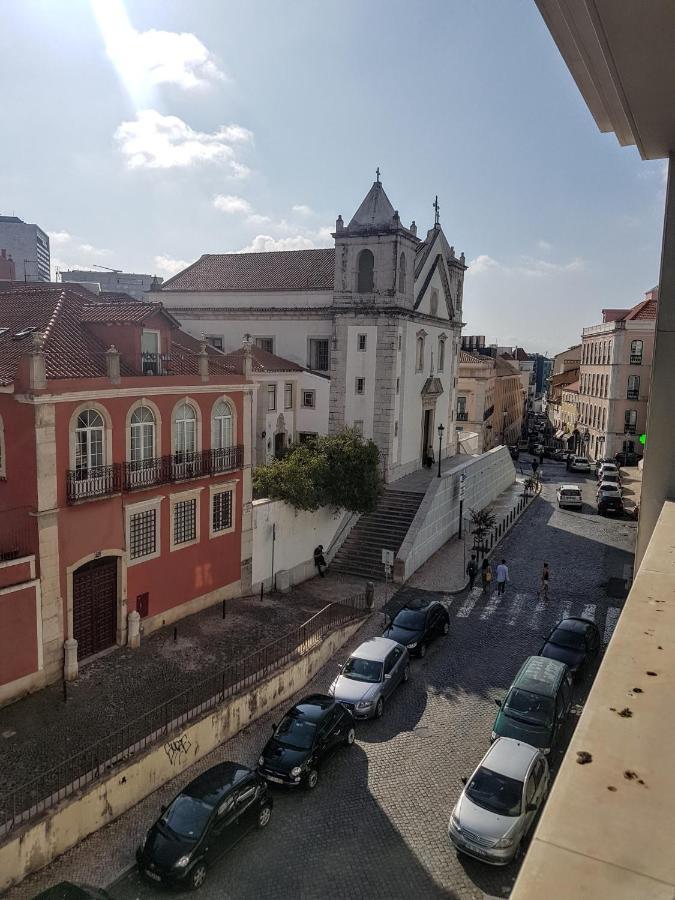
98 481
636 359
32 799
18 533
633 394
462 416
629 429
155 363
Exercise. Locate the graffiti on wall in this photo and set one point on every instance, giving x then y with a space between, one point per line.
177 749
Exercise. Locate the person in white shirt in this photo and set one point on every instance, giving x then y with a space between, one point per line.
502 576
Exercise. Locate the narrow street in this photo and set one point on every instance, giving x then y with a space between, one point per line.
376 825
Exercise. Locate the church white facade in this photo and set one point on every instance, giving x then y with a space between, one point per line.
381 314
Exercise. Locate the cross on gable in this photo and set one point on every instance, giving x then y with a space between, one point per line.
437 211
377 174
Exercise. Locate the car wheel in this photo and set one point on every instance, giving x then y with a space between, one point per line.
422 652
311 779
379 708
351 736
406 673
264 816
198 876
446 627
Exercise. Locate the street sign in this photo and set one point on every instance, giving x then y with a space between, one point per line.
462 486
387 572
388 557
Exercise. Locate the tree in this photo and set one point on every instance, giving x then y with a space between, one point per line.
530 485
483 521
339 470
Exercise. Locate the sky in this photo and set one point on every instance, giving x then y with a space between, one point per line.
141 134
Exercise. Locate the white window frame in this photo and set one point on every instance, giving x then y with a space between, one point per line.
223 487
174 500
187 401
88 431
310 340
312 393
360 378
361 339
131 510
210 338
265 337
272 389
288 388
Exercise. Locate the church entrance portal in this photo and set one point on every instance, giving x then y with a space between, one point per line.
427 435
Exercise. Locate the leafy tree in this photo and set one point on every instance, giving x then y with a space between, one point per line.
340 470
483 522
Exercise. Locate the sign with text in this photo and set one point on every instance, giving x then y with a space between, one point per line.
388 557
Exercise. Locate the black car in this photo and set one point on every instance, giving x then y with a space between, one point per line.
573 642
208 817
610 506
626 458
418 623
308 732
66 890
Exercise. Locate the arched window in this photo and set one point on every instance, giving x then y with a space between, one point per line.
366 268
221 426
142 434
419 357
636 352
185 430
441 354
401 273
89 441
433 302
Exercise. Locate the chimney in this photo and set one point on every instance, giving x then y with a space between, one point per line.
248 358
37 373
203 358
112 364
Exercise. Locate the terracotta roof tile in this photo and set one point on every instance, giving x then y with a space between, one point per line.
128 311
465 357
263 361
646 310
281 270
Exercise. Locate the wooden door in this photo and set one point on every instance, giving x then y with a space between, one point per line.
95 606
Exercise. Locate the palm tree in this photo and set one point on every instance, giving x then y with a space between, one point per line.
530 485
483 521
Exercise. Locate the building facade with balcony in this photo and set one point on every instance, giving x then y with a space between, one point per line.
124 478
614 376
476 397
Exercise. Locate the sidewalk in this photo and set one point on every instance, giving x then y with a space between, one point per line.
41 730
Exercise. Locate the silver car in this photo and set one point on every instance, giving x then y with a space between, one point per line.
370 675
500 801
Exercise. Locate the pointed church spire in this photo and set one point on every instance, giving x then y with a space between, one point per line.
375 211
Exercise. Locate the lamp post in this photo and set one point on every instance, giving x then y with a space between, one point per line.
504 415
441 429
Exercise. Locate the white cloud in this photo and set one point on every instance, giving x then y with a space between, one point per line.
155 141
257 219
303 209
265 243
167 266
59 237
526 266
482 263
238 170
544 246
71 252
324 236
231 204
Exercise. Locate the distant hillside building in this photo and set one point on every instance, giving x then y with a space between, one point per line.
134 284
28 245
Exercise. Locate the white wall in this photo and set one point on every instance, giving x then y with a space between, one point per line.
313 420
297 534
361 364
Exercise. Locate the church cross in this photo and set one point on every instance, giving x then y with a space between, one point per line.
437 210
377 174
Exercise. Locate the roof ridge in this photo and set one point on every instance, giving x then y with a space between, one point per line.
55 315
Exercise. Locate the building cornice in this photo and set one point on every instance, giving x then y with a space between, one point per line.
114 393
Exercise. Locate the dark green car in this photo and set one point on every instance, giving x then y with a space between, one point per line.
537 704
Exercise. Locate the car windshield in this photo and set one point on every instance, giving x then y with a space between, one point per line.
363 670
530 708
564 638
570 493
496 793
295 732
410 619
187 817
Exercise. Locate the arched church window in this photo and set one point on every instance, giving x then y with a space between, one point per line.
419 357
433 302
366 267
401 274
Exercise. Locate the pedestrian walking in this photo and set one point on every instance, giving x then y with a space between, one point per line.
541 458
502 576
430 456
472 570
568 461
535 466
486 575
545 576
319 559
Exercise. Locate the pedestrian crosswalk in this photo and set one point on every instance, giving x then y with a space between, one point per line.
518 609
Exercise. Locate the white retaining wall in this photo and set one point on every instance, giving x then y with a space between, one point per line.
437 519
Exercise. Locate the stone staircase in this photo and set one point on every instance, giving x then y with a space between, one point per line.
384 528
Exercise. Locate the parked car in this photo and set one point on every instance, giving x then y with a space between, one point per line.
574 642
370 675
608 469
559 455
522 445
550 452
627 458
569 495
608 489
308 732
536 704
208 817
611 506
608 476
514 451
497 807
417 624
67 890
580 464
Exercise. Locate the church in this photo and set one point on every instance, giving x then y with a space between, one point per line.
379 315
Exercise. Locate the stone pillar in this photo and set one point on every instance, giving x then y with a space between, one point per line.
247 499
70 660
248 360
203 362
37 372
658 476
134 630
112 364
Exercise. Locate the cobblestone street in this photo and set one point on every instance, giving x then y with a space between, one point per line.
376 825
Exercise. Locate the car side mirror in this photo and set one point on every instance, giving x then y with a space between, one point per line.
463 779
387 676
498 702
531 807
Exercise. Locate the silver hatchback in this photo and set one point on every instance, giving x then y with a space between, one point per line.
500 801
370 675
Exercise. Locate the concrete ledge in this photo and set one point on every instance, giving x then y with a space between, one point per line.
37 844
607 829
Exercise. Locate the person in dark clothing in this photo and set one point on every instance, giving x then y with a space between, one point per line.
319 559
568 462
486 575
541 458
472 571
545 576
535 466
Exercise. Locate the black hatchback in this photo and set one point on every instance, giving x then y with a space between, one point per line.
416 624
610 506
572 641
308 732
208 817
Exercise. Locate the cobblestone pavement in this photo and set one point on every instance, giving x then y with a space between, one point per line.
376 826
121 684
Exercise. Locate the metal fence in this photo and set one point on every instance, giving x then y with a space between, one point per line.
30 800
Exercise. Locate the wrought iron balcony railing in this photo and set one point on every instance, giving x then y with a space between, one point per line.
98 481
629 429
636 359
633 395
155 363
462 416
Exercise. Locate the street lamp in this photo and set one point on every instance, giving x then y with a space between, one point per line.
441 429
504 415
